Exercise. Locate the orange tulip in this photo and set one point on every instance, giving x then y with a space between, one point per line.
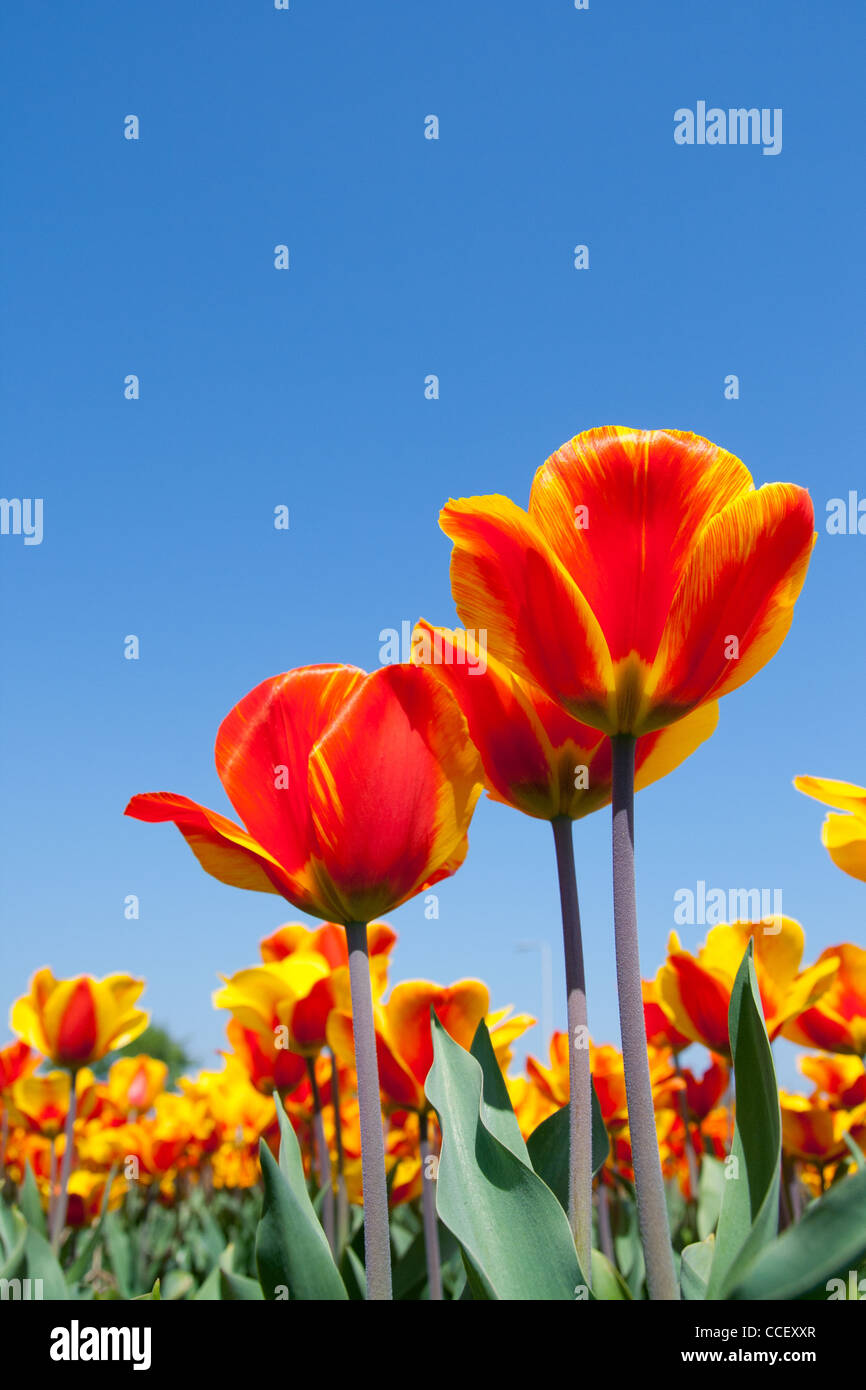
815 1131
75 1022
704 1093
837 1021
841 1081
696 990
135 1082
16 1061
404 1044
43 1101
843 836
536 757
660 1031
648 576
356 791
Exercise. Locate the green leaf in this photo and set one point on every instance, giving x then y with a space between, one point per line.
856 1152
154 1296
119 1253
695 1266
42 1264
291 1248
827 1242
607 1282
28 1201
237 1288
749 1216
548 1147
497 1112
514 1234
15 1240
710 1187
210 1290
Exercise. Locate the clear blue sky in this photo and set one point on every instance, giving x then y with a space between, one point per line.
306 387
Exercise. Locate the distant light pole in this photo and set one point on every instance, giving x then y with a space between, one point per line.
546 954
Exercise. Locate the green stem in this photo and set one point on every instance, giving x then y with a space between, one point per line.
648 1180
342 1195
59 1213
377 1241
428 1210
323 1158
579 1075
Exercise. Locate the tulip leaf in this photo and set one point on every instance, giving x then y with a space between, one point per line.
695 1267
515 1237
292 1250
856 1152
31 1206
497 1112
15 1240
42 1264
749 1215
827 1242
607 1282
710 1187
548 1146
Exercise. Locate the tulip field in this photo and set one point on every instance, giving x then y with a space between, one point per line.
367 1136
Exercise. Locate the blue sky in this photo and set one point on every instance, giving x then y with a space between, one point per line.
306 388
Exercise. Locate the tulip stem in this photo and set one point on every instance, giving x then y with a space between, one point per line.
323 1158
377 1240
648 1180
59 1213
428 1209
579 1075
342 1196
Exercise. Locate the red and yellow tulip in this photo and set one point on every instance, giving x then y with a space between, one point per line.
837 1021
77 1021
537 757
355 791
696 990
647 577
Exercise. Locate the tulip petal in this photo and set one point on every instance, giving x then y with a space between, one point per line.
224 849
508 584
392 786
647 494
841 796
735 603
844 838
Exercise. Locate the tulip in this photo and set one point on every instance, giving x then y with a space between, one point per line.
843 836
837 1020
696 990
75 1022
16 1060
841 1081
135 1082
356 792
648 577
542 761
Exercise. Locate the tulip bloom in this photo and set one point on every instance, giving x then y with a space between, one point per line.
843 836
404 1042
356 791
815 1131
696 990
647 577
841 1081
135 1082
837 1021
75 1022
